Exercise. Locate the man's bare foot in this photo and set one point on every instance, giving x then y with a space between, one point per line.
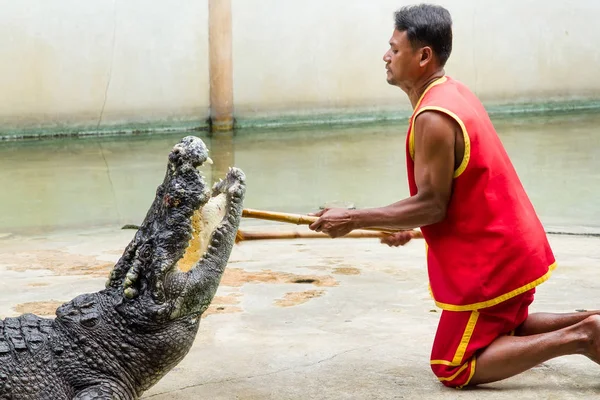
591 326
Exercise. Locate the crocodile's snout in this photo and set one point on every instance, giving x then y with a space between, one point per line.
190 150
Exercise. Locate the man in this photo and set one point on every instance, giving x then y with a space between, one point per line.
487 250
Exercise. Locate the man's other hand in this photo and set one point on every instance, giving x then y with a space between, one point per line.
398 238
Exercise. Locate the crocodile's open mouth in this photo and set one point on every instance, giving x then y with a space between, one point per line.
182 247
212 222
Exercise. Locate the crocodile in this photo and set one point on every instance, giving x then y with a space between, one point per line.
120 341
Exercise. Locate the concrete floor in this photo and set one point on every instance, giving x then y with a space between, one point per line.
364 330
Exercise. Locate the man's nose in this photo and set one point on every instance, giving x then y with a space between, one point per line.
386 56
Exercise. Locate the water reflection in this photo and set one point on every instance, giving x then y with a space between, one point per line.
52 185
222 152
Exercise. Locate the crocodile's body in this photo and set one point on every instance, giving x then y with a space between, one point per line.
117 343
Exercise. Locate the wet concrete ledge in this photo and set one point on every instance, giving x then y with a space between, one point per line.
250 121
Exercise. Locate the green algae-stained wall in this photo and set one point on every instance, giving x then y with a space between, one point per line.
114 66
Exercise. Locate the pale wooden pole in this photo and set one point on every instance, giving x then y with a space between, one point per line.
221 66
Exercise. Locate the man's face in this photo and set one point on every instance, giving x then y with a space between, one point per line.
401 61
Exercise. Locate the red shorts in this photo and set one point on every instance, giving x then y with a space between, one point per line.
462 335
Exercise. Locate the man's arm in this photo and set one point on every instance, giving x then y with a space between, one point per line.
435 136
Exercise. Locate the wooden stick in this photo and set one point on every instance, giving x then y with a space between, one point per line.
279 216
356 234
291 218
245 235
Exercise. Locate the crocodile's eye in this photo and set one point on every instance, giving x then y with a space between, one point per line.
90 320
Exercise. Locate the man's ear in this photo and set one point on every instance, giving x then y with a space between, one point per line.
426 56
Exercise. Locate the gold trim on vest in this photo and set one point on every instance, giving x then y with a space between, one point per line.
499 299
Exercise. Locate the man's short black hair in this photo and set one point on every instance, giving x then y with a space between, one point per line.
427 25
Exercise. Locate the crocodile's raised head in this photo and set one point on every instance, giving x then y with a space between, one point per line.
127 336
172 267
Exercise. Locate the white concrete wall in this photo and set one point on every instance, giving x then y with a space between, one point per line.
294 55
73 62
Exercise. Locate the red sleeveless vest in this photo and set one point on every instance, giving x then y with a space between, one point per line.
491 246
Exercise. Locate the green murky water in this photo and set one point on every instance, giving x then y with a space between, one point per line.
75 184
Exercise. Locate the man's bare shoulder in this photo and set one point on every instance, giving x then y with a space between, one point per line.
433 121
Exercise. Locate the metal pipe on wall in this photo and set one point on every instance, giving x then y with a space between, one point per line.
221 66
